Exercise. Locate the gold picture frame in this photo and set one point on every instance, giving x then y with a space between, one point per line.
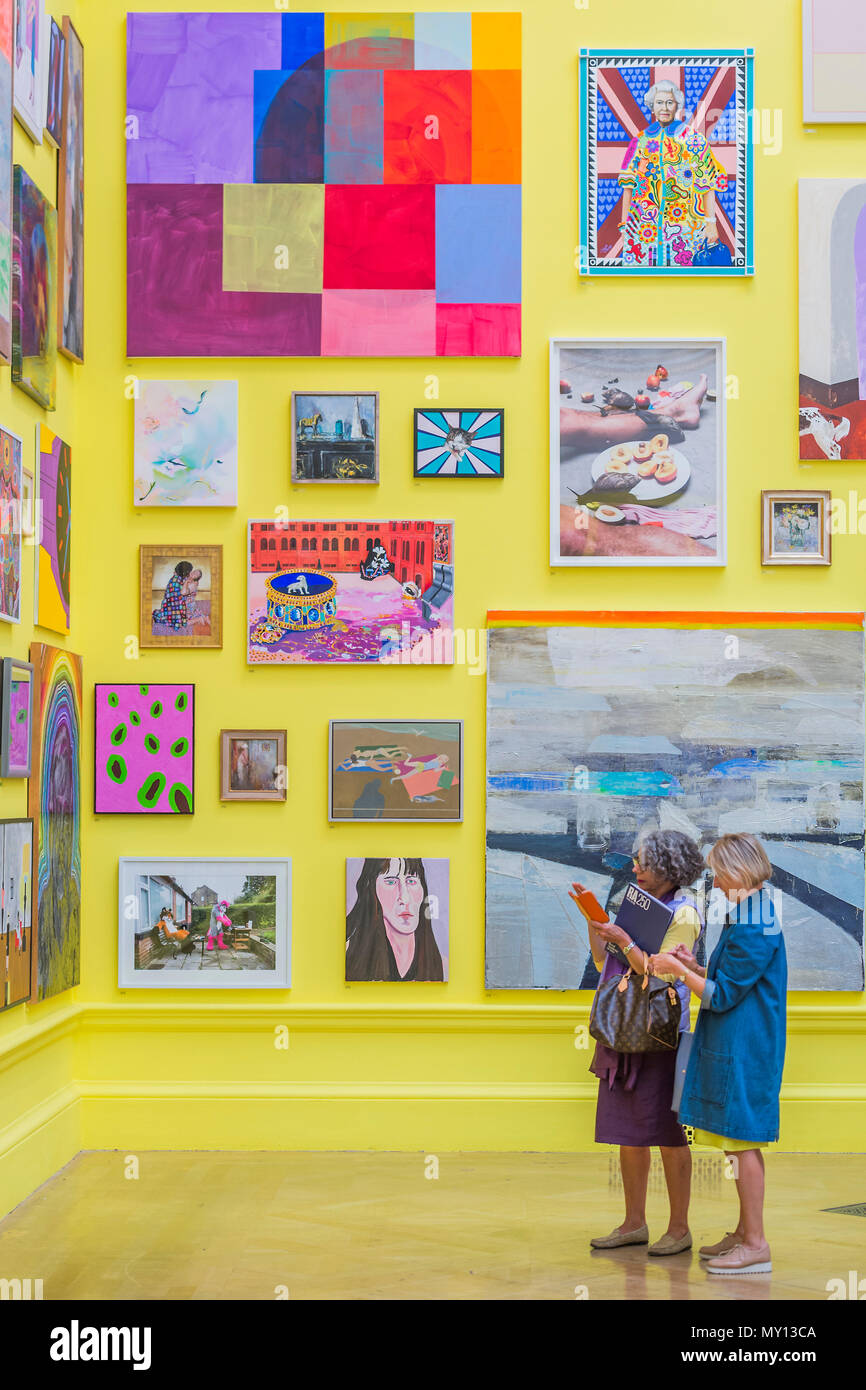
228 792
202 599
795 527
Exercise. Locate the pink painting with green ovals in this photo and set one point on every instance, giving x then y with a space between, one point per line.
144 750
20 724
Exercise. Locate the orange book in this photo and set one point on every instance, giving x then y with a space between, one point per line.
590 902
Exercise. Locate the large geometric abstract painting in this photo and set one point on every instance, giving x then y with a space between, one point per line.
603 726
323 185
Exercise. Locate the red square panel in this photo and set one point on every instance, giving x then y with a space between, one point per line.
478 330
428 127
379 238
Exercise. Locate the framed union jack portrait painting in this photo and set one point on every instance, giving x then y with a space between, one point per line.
666 162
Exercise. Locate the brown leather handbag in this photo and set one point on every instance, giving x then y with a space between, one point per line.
636 1013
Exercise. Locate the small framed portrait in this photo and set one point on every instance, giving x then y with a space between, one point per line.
253 765
181 596
17 715
795 528
459 443
335 437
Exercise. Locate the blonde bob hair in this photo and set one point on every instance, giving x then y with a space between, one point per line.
741 858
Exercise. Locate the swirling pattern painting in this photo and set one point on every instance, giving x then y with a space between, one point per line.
54 802
144 752
52 557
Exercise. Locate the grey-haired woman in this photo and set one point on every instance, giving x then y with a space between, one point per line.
635 1089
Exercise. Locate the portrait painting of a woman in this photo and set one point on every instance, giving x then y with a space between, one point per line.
396 920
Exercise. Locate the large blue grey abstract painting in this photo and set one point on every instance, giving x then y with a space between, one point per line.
598 734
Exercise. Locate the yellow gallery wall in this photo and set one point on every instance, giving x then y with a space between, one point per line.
373 1065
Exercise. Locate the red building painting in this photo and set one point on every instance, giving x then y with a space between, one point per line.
340 546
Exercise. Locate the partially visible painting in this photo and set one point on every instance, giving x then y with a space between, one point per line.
832 415
204 923
54 802
602 726
56 78
55 513
666 162
335 437
795 527
31 58
351 591
16 911
7 15
144 749
253 765
186 444
70 203
16 738
397 919
11 519
834 61
459 443
637 452
181 595
34 292
311 184
396 770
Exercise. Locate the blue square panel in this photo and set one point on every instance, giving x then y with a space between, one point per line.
478 243
443 41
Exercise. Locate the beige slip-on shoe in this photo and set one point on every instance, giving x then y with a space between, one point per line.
721 1247
638 1237
671 1245
743 1259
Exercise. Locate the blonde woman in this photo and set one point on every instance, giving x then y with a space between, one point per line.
731 1090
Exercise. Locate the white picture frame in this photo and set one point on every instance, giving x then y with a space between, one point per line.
852 72
574 474
147 884
30 77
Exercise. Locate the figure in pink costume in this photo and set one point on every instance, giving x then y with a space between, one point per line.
218 923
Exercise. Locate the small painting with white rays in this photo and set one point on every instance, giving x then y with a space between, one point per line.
459 443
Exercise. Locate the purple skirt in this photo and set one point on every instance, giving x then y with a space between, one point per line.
639 1113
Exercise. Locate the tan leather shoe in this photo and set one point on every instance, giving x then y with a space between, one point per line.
638 1237
743 1259
671 1245
721 1247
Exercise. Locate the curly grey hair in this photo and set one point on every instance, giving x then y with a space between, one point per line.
672 855
665 86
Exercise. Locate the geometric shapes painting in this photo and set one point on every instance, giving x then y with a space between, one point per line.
318 185
459 443
16 912
396 770
7 10
186 444
204 923
181 596
397 919
32 38
666 162
603 726
70 203
144 759
335 438
11 486
832 415
337 592
52 555
34 291
834 61
637 456
54 802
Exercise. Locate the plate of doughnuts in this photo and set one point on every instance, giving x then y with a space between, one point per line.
662 472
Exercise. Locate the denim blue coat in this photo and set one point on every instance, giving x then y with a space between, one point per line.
735 1069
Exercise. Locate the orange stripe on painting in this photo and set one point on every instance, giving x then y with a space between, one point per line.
495 126
655 618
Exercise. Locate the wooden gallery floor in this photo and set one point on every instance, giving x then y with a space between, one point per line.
376 1226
